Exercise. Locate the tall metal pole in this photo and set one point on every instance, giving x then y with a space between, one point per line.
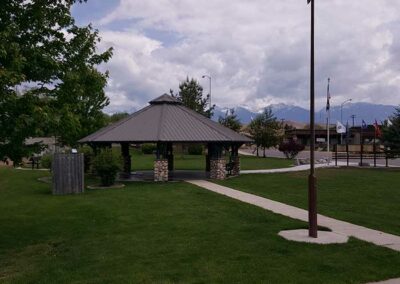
341 117
209 78
312 180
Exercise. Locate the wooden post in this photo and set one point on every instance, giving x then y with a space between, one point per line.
68 177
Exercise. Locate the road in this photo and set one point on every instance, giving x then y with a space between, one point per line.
318 155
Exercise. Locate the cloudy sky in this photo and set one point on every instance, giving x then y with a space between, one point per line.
257 51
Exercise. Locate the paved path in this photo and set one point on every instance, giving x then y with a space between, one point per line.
337 226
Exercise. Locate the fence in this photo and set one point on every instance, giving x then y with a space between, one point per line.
358 152
68 176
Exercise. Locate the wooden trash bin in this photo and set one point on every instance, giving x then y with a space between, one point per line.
68 173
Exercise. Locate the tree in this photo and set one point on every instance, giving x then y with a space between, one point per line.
266 130
291 148
116 117
230 120
53 61
191 95
391 134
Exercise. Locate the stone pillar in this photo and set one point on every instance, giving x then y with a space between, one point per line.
161 170
236 166
218 168
126 160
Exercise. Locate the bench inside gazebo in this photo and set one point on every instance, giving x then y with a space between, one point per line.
165 122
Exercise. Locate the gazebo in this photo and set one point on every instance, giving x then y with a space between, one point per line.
166 122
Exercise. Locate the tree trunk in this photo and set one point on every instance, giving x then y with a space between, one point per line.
264 153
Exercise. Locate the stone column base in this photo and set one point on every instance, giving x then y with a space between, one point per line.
236 166
161 170
218 169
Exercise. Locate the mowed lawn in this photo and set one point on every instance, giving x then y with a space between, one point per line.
198 162
163 233
368 197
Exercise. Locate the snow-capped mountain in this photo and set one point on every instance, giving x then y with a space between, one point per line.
362 111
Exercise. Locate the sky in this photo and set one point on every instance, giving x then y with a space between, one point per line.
256 51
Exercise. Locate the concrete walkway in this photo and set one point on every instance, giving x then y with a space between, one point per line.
337 226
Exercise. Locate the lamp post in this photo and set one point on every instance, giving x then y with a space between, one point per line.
341 117
209 78
312 180
341 109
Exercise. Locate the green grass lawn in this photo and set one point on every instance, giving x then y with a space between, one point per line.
198 162
163 233
368 197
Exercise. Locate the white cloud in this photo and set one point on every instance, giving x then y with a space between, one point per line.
256 51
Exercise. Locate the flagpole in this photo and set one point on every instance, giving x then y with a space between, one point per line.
312 192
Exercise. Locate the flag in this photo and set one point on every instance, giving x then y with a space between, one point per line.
389 122
340 128
378 132
364 125
328 97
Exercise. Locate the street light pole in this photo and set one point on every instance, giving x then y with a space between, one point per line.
312 180
341 117
209 78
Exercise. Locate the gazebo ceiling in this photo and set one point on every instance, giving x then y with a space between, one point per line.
165 120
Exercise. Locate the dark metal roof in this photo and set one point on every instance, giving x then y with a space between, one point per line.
165 99
165 120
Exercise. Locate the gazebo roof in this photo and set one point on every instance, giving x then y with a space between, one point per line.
165 120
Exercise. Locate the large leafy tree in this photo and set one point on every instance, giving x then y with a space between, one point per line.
391 134
52 61
266 130
191 95
230 120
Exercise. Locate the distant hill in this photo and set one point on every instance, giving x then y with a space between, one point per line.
362 111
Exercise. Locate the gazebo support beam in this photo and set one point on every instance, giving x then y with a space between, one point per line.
126 159
161 163
217 161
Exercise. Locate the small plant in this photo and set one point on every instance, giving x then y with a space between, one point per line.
106 165
46 161
291 148
195 150
148 148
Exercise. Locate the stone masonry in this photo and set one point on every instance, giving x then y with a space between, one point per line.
217 169
161 170
236 166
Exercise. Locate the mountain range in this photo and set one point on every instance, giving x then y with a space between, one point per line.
362 111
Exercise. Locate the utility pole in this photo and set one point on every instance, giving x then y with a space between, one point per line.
353 116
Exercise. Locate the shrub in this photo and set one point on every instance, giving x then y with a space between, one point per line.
291 148
88 156
106 165
46 161
195 150
148 148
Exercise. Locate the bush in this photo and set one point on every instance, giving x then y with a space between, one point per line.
195 150
46 161
106 165
291 148
88 156
148 148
